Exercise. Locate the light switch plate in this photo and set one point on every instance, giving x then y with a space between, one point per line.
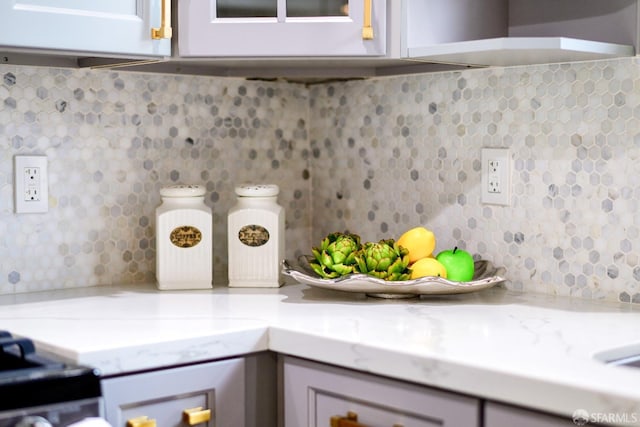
496 176
31 184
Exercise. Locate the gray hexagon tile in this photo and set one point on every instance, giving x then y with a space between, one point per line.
374 156
113 140
573 129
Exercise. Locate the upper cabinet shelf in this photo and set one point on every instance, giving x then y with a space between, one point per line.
506 51
117 28
518 32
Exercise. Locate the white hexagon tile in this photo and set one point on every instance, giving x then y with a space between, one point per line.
373 156
112 141
405 151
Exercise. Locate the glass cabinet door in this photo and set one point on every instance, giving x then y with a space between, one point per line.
269 8
268 28
116 27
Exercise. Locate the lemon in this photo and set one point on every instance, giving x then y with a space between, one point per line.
419 241
428 267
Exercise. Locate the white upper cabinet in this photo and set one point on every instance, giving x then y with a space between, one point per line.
318 38
100 28
407 34
282 28
517 32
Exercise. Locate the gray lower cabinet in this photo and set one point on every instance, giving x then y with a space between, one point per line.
228 393
269 390
319 395
499 415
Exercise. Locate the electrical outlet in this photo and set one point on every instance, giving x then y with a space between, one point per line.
31 191
496 176
495 182
32 184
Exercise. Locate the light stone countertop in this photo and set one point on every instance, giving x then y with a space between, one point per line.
531 350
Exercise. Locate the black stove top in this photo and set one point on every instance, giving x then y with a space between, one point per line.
20 354
28 378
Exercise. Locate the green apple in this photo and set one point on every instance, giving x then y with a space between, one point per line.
459 264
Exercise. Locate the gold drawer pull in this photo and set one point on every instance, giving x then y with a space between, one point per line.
193 416
141 422
351 420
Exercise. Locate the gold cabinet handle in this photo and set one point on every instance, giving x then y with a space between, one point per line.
367 29
351 420
141 422
193 416
165 31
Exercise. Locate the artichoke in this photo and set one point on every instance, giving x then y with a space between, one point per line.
385 260
336 255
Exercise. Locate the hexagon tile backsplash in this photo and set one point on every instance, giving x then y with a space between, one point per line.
374 156
113 140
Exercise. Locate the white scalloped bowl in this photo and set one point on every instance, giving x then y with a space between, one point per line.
486 276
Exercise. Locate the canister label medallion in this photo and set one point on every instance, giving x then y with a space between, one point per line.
253 235
185 236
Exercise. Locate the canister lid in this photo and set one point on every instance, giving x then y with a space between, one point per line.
183 190
257 190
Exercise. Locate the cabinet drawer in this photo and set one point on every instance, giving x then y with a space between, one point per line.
164 395
498 415
315 392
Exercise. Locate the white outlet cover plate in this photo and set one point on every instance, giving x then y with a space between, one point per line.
21 205
503 155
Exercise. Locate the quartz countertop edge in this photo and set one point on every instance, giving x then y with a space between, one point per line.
531 350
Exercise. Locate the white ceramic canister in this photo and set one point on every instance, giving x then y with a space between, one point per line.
184 239
256 237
